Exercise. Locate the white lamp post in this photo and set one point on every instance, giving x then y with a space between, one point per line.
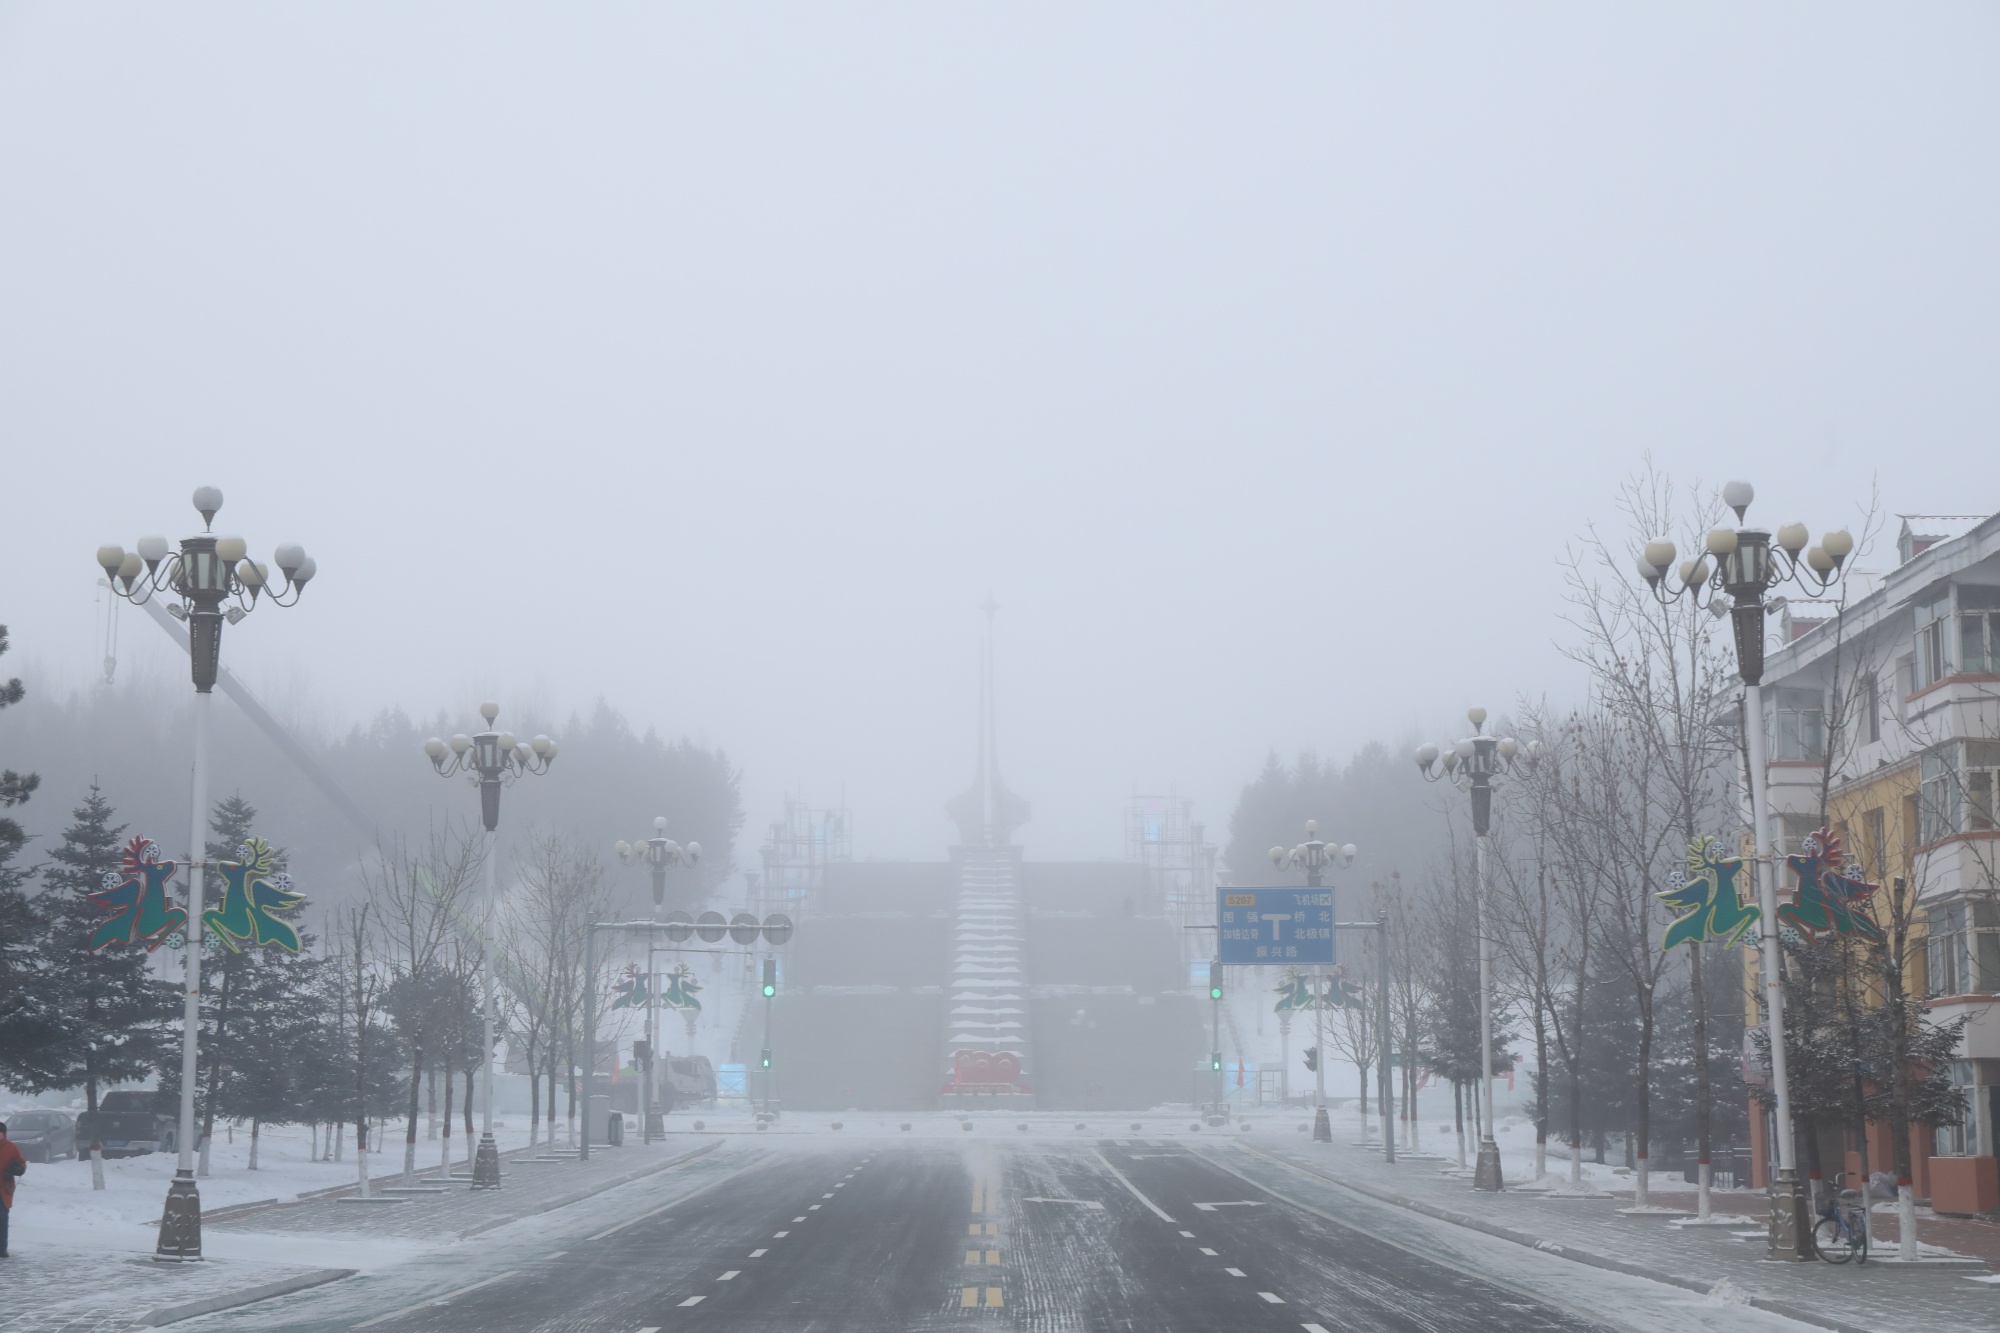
491 759
1473 763
1746 568
1313 856
206 572
657 852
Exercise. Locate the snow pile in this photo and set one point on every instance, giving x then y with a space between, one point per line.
1726 1292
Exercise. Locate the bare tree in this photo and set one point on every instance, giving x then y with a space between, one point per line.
419 898
1665 676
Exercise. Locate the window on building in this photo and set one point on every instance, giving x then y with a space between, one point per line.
1937 795
1870 704
1795 725
1984 946
1944 948
1792 832
1961 1139
1982 786
1875 839
1978 628
1933 662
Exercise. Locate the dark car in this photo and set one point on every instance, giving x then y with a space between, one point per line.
43 1136
128 1124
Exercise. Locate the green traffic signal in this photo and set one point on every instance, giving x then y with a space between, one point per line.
1215 981
1215 1061
766 1061
770 977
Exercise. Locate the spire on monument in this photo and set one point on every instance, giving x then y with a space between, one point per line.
986 812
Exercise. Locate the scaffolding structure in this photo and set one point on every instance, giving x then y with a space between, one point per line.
797 849
1162 835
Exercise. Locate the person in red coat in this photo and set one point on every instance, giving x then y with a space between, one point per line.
12 1164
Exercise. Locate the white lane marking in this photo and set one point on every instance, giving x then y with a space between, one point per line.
446 1299
779 1235
758 1254
812 1208
826 1196
1105 1162
650 1328
1210 1253
1314 1328
730 1276
1235 1272
1188 1234
1272 1297
1081 1203
1233 1203
839 1185
798 1219
693 1300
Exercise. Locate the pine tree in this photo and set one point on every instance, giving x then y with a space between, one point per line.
114 1014
28 1025
253 1000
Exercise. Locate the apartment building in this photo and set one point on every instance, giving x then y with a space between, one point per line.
1886 722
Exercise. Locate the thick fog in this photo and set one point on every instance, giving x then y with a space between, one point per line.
718 363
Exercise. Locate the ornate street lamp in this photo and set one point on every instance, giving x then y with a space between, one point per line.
1474 763
490 760
1744 569
657 852
204 574
1313 856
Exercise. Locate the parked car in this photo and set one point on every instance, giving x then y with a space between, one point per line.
128 1124
43 1135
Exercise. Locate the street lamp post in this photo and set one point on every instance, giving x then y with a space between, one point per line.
1313 856
1746 568
657 852
1474 762
206 572
490 760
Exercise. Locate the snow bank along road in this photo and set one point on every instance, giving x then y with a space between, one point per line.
1093 1234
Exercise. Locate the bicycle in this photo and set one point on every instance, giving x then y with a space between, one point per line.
1842 1231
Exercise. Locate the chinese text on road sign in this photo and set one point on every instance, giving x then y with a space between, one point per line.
1274 926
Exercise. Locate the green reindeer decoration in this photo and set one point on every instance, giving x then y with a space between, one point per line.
1829 900
250 894
1711 904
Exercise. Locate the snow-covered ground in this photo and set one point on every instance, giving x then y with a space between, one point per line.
55 1206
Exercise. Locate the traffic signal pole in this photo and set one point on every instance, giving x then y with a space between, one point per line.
1215 1032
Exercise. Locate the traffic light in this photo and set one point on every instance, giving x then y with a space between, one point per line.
1312 1058
642 1052
1215 983
764 1061
1215 1062
770 980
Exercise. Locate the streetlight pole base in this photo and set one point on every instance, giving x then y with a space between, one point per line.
180 1222
1486 1173
1791 1219
1322 1127
486 1164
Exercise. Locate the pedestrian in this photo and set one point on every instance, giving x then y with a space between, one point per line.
12 1164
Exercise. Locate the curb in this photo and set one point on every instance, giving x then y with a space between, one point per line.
578 1196
173 1314
1548 1247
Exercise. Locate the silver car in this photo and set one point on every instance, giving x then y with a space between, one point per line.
43 1135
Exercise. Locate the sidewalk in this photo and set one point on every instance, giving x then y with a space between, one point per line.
101 1278
1879 1298
457 1211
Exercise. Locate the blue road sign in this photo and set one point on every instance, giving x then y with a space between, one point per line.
1258 926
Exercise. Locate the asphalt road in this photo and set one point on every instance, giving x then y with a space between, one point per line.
1092 1235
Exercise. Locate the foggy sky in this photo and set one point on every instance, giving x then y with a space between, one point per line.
718 361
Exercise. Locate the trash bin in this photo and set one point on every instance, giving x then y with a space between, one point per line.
614 1133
